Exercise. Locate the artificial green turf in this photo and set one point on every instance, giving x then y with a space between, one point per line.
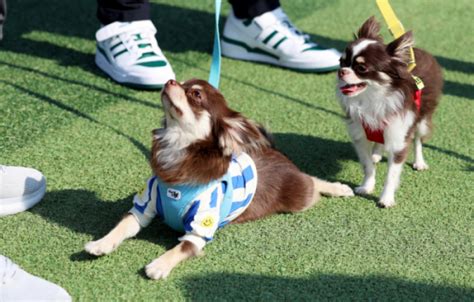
91 138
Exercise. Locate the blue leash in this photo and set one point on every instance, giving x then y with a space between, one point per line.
215 72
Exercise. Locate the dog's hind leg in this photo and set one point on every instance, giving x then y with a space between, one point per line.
126 228
335 189
422 131
377 153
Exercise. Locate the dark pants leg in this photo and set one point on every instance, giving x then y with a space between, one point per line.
3 14
249 9
109 11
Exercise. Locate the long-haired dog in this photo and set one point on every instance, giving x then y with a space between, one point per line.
384 105
211 166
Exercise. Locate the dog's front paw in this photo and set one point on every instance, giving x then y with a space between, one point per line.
420 166
342 190
385 202
158 269
99 247
364 190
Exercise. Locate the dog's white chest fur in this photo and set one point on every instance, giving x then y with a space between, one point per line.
373 106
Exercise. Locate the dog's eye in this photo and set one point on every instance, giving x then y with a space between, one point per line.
360 68
196 94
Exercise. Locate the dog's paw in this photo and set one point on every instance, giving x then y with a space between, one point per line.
158 269
364 190
99 247
342 190
420 166
376 158
385 202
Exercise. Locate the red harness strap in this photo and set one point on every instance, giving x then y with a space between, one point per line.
377 134
374 135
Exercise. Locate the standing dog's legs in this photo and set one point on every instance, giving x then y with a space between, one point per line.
377 153
364 151
126 228
397 142
387 199
422 130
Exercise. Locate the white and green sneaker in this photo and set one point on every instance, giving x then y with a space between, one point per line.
129 53
20 189
272 38
21 286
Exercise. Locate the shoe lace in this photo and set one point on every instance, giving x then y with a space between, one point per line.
140 42
291 30
7 269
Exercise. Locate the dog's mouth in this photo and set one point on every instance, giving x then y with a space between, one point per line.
352 89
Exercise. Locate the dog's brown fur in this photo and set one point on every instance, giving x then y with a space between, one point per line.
281 186
387 98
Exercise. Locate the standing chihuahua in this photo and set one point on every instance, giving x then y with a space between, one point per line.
384 105
212 166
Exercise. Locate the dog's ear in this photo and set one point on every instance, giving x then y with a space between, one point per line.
238 134
399 49
370 30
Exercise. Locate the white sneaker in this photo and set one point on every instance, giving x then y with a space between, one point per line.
272 38
20 189
18 285
129 53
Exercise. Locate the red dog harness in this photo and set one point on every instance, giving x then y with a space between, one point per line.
377 134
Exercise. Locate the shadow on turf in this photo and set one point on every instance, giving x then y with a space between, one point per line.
321 157
246 287
83 212
469 160
83 84
315 155
459 89
144 150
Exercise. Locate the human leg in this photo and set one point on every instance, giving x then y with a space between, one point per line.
127 49
3 14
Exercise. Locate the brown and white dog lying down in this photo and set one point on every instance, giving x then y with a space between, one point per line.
379 96
201 141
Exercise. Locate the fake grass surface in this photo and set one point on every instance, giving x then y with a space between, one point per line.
91 138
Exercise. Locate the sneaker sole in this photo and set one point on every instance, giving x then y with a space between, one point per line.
19 204
123 79
241 53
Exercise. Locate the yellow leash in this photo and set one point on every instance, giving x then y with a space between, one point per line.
396 29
